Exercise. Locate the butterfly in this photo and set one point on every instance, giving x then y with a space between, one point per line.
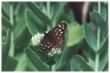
54 38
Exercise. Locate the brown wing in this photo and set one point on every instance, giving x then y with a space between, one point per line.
53 38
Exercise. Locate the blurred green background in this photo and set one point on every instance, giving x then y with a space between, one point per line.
86 42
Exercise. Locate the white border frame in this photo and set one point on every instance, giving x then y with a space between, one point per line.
52 1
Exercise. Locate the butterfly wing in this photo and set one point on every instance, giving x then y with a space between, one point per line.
59 34
53 38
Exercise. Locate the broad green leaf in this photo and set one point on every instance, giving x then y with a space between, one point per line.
19 19
90 37
74 34
68 15
78 64
103 9
31 27
22 62
99 22
22 41
103 62
35 59
32 6
65 57
97 19
45 8
33 23
30 66
57 10
19 30
43 56
90 53
103 56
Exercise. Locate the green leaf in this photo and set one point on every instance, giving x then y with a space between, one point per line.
89 53
103 56
30 66
22 42
35 59
65 57
101 23
74 34
9 64
63 14
33 23
78 64
97 19
43 56
19 30
90 37
103 62
57 10
22 62
19 21
68 16
39 13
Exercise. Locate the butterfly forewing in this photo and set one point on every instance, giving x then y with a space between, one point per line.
54 38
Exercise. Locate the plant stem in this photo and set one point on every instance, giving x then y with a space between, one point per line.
98 43
97 53
96 62
50 67
99 7
11 51
48 9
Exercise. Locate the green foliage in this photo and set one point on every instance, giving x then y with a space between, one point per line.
78 64
34 57
21 21
96 35
9 64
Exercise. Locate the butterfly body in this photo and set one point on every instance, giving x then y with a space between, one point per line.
54 38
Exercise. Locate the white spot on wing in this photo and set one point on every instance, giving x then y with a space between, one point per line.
59 26
54 51
62 26
59 30
48 46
